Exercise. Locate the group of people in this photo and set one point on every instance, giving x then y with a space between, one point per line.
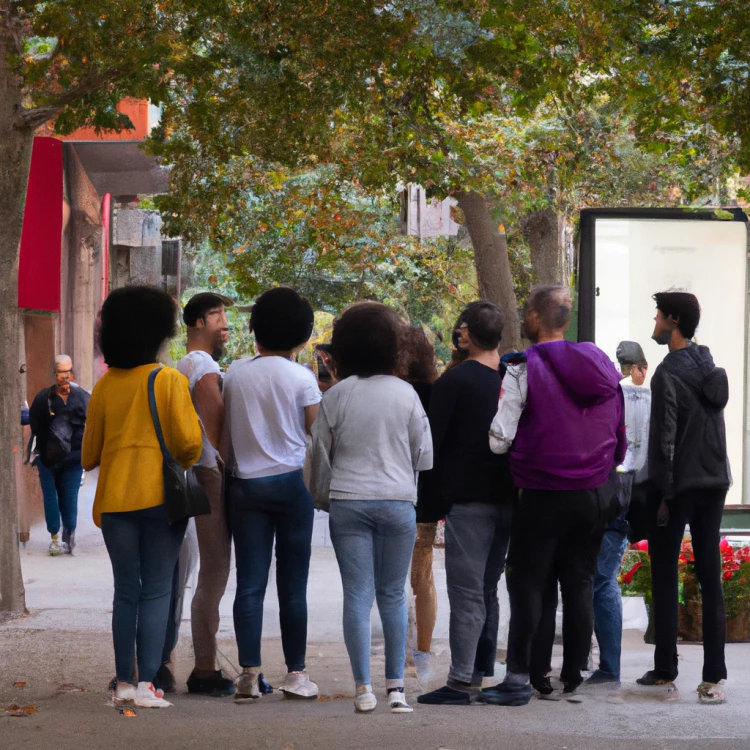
533 457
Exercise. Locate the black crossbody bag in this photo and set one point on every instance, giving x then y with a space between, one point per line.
183 495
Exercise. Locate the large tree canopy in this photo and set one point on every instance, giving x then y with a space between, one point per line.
373 86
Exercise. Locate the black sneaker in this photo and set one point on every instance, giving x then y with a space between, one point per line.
652 678
506 694
216 686
544 689
572 692
446 696
165 679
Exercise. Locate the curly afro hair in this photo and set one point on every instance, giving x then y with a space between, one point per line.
135 322
281 320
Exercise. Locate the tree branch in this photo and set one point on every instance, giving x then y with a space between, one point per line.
33 118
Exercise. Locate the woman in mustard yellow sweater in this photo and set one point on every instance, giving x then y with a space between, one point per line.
129 506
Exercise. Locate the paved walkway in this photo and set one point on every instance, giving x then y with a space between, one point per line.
62 652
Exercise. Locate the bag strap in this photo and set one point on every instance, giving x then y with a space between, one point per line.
155 414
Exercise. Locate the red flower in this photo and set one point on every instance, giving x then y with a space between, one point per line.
642 545
727 575
725 547
628 577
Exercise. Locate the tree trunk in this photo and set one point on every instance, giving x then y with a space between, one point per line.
543 231
492 263
15 158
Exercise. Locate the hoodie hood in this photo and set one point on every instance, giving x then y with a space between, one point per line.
583 370
695 366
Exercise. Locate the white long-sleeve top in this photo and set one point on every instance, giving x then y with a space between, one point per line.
509 409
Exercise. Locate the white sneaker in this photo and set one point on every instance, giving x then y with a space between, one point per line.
248 689
146 696
365 700
397 702
57 548
298 685
125 693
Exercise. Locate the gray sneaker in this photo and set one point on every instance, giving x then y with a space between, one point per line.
69 539
298 685
247 686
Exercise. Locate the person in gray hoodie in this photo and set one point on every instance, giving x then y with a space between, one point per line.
370 441
689 468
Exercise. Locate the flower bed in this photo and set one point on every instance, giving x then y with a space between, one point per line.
635 580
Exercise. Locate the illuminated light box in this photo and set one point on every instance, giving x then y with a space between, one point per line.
627 255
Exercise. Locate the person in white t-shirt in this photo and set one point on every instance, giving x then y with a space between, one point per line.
271 403
207 334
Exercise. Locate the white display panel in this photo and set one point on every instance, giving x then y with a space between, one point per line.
636 258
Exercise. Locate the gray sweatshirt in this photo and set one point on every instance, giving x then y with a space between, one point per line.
370 439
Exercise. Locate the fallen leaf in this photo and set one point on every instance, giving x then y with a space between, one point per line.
20 684
127 712
16 710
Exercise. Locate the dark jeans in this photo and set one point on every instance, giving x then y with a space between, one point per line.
555 536
143 549
259 510
476 542
60 488
702 509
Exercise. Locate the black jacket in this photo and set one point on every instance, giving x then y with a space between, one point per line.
74 411
687 447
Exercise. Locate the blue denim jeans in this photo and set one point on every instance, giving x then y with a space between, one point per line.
60 488
259 510
143 549
374 541
608 603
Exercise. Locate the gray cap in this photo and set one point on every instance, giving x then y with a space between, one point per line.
630 353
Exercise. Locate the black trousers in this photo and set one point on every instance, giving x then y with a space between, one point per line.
702 509
555 536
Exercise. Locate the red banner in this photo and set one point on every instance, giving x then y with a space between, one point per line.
41 241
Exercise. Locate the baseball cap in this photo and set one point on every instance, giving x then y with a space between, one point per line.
630 353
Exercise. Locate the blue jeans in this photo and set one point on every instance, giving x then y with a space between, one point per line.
374 541
143 549
608 603
259 510
60 488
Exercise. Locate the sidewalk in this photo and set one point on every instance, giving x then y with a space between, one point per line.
64 648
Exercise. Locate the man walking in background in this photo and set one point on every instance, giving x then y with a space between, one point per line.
58 417
561 411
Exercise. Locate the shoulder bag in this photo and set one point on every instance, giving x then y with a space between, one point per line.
183 495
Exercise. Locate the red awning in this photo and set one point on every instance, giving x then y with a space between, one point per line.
41 241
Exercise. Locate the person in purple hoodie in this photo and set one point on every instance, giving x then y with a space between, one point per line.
561 416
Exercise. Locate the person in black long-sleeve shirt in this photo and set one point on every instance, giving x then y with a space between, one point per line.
472 489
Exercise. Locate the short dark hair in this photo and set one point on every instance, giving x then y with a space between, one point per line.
683 307
367 340
281 320
199 304
135 322
485 321
552 303
420 356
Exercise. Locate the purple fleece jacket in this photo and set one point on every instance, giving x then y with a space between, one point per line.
572 431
